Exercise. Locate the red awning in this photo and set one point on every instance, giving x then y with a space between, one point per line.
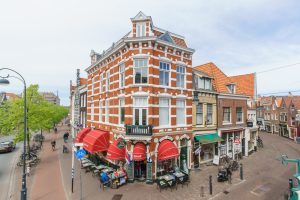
96 141
167 150
114 152
139 152
82 134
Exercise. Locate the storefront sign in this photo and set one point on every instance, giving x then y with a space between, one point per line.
121 144
249 124
237 141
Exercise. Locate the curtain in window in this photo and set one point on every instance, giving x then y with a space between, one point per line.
199 114
180 112
163 111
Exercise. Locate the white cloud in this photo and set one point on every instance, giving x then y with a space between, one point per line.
46 41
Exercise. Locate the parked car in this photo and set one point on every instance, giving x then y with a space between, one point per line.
7 146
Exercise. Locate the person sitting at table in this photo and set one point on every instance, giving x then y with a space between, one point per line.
104 179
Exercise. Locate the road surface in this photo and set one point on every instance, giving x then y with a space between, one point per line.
6 168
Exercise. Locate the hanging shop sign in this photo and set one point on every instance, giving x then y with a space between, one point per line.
249 124
121 144
237 140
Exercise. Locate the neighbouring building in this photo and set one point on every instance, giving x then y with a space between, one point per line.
271 115
139 97
51 97
205 132
232 110
4 96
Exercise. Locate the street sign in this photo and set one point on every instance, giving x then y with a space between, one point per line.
80 153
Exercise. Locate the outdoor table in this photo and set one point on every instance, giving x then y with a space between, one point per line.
87 164
101 167
179 174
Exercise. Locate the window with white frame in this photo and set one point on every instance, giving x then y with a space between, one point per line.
93 82
122 75
140 70
92 112
140 29
100 111
164 111
122 111
231 88
101 83
81 101
204 83
107 80
226 115
164 73
140 109
180 76
239 114
199 114
180 112
107 111
209 114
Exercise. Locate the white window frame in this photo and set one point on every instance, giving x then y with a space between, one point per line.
230 115
181 71
140 107
101 83
107 80
107 111
93 86
165 71
140 29
236 113
141 68
121 104
169 111
198 113
184 111
100 110
122 75
92 111
231 88
212 113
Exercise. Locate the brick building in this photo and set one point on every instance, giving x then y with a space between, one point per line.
232 97
140 91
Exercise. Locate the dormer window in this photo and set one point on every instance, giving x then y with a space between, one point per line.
141 29
231 88
204 83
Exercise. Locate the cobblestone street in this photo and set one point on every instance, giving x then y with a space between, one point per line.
264 177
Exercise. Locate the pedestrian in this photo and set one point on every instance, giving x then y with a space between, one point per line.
229 173
66 136
53 144
55 130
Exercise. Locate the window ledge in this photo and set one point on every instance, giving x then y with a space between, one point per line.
226 123
239 122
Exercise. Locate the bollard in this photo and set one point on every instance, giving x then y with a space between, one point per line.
210 185
290 183
202 191
241 172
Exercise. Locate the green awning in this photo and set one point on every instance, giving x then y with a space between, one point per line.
208 138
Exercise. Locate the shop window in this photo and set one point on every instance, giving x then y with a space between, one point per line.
199 114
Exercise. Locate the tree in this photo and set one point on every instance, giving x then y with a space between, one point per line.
41 115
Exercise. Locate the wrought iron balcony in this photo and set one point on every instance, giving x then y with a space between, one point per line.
140 130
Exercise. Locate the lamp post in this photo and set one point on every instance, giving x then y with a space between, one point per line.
4 81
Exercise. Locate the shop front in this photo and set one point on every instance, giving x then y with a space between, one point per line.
205 148
232 144
167 155
252 141
139 160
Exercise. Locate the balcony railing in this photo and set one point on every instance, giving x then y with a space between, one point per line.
140 130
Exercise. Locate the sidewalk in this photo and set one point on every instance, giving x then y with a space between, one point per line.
46 180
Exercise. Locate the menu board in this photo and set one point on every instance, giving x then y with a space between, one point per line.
149 171
130 173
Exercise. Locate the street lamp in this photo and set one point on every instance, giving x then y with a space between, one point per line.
4 81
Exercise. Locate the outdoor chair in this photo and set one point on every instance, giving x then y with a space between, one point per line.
172 184
162 184
96 172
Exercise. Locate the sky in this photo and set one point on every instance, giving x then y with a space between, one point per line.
46 41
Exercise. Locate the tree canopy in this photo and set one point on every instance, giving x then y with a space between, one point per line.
41 115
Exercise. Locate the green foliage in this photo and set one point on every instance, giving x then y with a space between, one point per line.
41 115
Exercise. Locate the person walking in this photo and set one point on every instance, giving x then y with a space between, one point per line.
53 144
66 136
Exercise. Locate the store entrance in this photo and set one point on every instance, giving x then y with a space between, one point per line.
140 170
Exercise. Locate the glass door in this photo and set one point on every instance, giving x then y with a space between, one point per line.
140 116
